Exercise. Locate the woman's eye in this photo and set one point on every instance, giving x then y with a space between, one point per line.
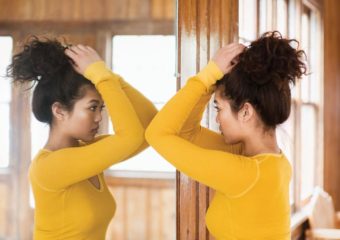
93 108
102 107
217 109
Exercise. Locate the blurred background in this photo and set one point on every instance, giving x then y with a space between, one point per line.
156 45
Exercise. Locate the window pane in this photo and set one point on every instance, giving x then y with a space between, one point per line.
39 135
308 149
282 17
247 19
285 137
265 8
315 59
4 136
305 38
148 64
6 44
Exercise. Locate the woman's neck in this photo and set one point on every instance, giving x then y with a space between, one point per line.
58 140
261 142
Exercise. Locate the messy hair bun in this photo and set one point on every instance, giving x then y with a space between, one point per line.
263 76
271 58
39 60
44 63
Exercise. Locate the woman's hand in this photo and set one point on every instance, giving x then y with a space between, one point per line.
226 57
83 56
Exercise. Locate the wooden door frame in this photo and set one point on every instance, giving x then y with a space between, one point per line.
203 27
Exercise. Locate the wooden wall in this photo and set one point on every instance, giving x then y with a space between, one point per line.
332 99
203 27
85 10
145 209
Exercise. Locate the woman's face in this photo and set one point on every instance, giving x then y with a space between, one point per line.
82 123
228 120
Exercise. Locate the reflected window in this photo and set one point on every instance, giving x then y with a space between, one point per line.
39 135
6 44
147 62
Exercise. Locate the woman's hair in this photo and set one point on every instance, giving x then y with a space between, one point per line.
263 76
43 62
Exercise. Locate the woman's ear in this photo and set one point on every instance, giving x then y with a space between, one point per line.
58 111
246 113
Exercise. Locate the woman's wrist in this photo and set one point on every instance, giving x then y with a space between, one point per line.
97 72
210 74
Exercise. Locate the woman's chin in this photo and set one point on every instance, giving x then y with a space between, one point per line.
89 138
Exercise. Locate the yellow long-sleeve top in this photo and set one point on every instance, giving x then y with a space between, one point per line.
67 205
252 193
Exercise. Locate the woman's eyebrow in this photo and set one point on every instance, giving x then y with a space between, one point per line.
94 101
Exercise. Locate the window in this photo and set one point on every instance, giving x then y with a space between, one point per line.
309 104
39 135
147 62
6 44
247 20
282 17
299 137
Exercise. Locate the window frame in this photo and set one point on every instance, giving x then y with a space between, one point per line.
295 10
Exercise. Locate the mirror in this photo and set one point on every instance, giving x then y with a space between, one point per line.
137 40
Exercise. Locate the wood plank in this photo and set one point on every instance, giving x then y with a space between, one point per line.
145 208
156 9
144 27
53 10
167 214
201 31
115 9
155 226
85 10
169 9
4 210
332 101
117 227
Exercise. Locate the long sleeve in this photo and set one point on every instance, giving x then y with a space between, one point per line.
201 136
67 166
228 173
144 108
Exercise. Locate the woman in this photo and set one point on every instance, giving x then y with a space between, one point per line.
72 200
244 165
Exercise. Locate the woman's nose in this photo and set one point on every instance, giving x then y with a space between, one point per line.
98 117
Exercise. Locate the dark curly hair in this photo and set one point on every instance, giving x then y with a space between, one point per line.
263 76
43 62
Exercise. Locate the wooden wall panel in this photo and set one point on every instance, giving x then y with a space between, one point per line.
146 209
3 209
162 9
85 10
203 27
332 101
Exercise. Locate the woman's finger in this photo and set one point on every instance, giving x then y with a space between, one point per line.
76 49
91 49
69 52
82 47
